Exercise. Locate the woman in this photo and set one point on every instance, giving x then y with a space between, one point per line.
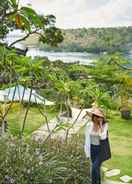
97 146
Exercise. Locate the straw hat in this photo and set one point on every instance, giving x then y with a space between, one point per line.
96 111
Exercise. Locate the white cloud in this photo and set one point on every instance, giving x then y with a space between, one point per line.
86 13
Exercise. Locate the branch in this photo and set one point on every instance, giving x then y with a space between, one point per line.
10 13
18 50
24 38
26 113
121 66
74 122
7 14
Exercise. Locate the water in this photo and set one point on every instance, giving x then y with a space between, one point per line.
72 57
128 55
67 57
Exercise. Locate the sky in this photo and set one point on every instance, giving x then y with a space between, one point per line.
85 13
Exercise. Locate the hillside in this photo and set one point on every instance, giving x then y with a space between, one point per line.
91 40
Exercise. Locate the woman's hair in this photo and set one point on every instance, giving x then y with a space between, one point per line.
104 120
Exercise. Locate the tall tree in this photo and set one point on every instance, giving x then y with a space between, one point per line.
13 16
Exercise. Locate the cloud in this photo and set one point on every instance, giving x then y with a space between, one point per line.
86 13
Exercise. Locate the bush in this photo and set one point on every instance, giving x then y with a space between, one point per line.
51 163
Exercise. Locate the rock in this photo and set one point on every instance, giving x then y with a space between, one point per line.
111 182
126 178
112 172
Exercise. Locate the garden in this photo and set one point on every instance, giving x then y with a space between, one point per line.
44 91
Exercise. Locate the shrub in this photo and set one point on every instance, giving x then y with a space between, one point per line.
54 162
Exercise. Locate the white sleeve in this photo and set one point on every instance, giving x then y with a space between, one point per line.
87 140
103 134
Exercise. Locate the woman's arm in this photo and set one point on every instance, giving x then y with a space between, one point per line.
87 140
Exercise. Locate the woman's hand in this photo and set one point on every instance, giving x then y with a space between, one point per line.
98 127
101 124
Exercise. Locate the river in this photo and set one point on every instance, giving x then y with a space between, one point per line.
70 57
67 57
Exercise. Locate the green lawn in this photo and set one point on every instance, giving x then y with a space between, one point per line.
33 122
120 133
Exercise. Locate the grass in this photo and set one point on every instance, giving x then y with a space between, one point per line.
33 122
120 133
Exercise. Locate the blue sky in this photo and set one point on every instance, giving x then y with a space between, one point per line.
86 13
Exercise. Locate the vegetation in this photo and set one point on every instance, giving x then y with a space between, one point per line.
91 40
63 84
23 18
108 83
51 163
34 120
121 144
16 70
116 79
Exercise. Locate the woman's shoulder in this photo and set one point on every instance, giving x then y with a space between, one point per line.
89 125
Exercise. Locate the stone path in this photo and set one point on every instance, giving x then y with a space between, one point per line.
114 172
126 178
112 182
43 131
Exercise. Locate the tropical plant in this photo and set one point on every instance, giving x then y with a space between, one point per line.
13 16
125 93
112 74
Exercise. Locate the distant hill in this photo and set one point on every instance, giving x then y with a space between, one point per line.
91 40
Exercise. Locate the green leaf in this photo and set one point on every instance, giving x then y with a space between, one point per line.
29 11
32 16
25 22
13 3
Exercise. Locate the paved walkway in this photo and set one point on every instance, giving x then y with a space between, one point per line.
76 121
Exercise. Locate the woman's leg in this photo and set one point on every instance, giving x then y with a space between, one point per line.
96 165
96 175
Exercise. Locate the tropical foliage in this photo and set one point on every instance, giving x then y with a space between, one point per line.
13 16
